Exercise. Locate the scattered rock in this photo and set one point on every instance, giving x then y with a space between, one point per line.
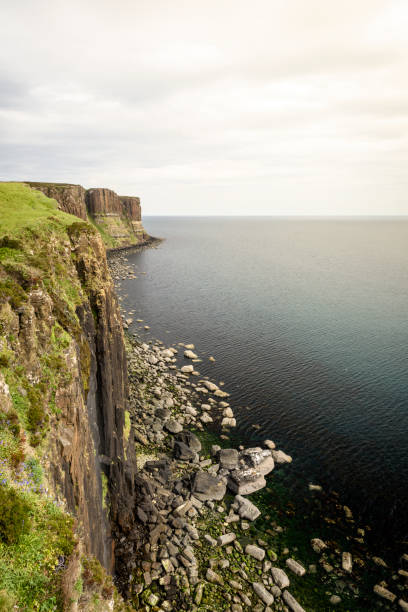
262 593
255 551
384 593
208 487
291 602
295 567
280 578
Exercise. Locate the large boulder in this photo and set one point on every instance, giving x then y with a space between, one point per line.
259 459
245 482
228 458
246 509
182 452
190 440
207 487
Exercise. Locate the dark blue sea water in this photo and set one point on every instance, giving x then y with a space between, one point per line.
308 322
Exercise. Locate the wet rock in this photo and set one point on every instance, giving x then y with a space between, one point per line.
255 551
295 567
228 422
209 385
190 355
262 593
280 578
187 369
208 487
291 602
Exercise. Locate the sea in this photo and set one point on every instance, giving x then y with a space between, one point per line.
307 319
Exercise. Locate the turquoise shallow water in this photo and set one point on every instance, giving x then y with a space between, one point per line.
308 322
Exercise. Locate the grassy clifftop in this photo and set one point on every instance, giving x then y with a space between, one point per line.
45 362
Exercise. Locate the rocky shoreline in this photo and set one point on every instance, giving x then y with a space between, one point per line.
198 547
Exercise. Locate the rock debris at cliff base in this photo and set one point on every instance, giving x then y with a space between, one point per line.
207 546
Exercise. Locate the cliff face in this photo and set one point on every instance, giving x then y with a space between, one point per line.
64 366
71 198
118 218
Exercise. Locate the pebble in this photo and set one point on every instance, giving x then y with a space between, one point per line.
255 551
262 593
295 567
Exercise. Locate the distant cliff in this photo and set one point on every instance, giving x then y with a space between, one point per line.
118 218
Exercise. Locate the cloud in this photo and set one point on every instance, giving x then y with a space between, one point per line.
274 101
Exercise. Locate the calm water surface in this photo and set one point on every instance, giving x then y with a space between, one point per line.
308 322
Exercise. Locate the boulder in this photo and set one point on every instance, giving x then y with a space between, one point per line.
258 458
190 355
209 385
318 545
228 422
245 482
291 602
281 457
255 552
207 487
173 426
246 509
280 578
295 567
182 452
189 439
262 593
228 458
187 369
226 538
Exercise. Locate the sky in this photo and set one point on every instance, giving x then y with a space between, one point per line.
209 107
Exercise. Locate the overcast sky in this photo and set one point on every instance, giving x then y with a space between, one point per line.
211 106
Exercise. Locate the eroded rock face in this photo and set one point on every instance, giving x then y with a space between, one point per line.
71 198
131 207
103 201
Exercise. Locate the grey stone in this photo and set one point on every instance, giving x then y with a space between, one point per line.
255 551
295 567
291 602
228 458
183 453
173 426
281 457
280 578
244 482
208 487
189 439
384 593
226 538
258 458
246 509
213 577
262 593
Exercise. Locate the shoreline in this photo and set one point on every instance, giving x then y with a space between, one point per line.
171 394
151 241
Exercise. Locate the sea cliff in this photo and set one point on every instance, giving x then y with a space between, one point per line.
117 218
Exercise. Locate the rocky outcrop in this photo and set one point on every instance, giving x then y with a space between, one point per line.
118 218
71 198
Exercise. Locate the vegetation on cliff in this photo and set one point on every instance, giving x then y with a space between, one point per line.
49 276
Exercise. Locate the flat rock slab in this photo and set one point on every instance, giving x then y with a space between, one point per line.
262 593
207 487
295 567
291 602
280 578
